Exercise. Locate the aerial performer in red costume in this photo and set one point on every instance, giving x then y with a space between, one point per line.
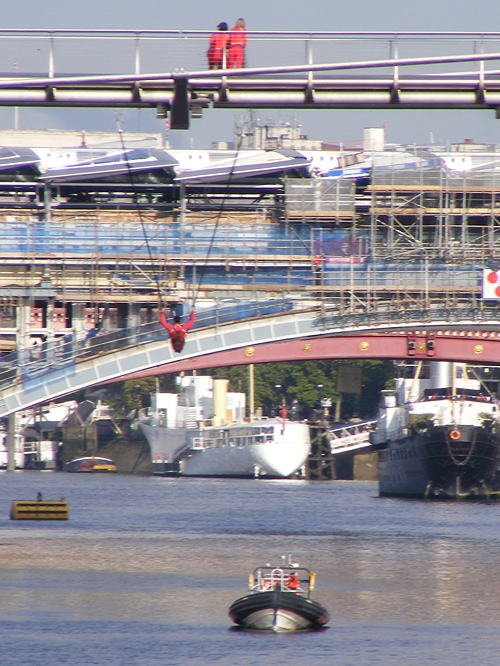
177 331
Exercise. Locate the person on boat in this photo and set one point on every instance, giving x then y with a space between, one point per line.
177 331
217 47
293 582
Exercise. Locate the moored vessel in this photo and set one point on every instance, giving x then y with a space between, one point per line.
201 431
279 600
91 464
438 436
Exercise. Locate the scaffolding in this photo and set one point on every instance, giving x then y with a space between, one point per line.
450 216
415 236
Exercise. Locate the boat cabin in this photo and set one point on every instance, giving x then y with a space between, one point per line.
286 579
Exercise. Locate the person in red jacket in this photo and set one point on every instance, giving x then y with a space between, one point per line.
236 45
217 47
293 582
177 331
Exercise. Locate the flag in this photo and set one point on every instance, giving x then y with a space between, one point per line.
491 284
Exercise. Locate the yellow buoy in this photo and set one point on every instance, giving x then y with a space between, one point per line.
39 509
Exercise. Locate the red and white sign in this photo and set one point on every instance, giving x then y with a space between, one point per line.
491 284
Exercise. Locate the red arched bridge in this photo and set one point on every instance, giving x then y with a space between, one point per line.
267 333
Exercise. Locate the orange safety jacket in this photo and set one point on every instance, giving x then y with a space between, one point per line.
237 36
216 45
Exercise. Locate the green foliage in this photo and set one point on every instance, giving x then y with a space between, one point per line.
131 395
309 382
306 381
377 376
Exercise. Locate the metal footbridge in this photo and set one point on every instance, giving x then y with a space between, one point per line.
350 438
267 332
166 70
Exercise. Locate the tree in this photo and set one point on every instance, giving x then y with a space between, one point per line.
131 395
377 376
305 381
309 382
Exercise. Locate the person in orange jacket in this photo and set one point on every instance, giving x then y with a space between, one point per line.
236 45
293 582
217 47
177 331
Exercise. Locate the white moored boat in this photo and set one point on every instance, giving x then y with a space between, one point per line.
201 431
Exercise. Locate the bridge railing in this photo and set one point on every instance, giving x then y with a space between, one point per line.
97 52
30 365
412 312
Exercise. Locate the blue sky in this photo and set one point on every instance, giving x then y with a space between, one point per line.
329 125
477 15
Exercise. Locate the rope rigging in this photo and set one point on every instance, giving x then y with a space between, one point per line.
214 233
177 331
217 220
141 219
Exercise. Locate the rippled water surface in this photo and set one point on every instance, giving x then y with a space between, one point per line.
146 568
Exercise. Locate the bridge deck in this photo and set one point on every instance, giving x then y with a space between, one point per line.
34 376
166 70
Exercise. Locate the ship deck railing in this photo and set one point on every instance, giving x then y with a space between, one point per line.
266 578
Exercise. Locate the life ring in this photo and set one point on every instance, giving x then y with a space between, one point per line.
455 434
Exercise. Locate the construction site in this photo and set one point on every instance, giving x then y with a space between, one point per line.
405 230
384 229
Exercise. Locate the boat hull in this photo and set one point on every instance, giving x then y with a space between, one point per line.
279 457
277 610
91 466
269 459
442 462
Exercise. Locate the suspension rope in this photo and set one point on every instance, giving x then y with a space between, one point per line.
217 220
141 219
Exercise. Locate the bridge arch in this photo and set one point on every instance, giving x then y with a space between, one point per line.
469 335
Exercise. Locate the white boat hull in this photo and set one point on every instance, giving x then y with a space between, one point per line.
279 620
280 456
270 459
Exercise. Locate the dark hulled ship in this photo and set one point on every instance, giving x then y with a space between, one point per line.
438 437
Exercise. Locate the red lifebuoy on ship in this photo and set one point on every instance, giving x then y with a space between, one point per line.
455 434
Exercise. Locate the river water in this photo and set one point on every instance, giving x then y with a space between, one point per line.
145 569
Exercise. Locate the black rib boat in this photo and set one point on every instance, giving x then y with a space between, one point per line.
279 600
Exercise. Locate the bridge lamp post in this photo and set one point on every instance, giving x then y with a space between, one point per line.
319 388
282 402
